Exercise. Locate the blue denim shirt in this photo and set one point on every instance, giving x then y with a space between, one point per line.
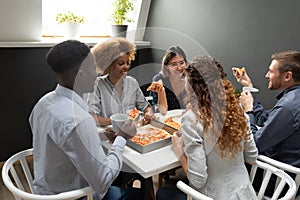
279 137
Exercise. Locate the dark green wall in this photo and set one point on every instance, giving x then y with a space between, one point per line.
25 77
236 32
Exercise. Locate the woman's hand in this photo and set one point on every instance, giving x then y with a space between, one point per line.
148 115
162 103
156 86
177 143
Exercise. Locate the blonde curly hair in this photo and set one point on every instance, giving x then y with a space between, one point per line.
107 52
212 98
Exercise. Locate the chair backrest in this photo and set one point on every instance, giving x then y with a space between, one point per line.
283 166
191 192
18 187
282 177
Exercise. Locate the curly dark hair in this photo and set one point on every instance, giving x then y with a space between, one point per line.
212 98
107 52
67 55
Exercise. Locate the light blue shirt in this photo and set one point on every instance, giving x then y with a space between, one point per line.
67 148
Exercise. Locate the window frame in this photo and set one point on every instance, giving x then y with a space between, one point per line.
136 29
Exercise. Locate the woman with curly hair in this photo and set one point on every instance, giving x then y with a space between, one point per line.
214 140
114 91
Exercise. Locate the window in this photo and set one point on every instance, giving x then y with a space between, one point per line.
96 14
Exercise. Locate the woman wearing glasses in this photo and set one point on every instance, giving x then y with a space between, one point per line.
170 94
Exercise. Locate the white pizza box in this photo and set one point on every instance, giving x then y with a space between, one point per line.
152 146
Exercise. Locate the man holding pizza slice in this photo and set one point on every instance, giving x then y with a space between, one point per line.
279 136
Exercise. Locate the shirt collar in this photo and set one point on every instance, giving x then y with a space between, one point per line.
287 90
70 94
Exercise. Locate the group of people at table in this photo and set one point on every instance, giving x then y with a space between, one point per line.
218 132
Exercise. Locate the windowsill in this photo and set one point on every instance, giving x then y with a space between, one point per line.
50 41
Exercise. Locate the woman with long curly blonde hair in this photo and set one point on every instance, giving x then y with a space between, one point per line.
214 140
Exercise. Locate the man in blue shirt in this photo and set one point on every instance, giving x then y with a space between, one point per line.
279 136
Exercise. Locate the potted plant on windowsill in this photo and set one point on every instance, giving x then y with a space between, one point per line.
119 16
71 24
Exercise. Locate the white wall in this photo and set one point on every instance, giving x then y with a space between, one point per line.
20 20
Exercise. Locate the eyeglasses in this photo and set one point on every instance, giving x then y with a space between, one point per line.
175 64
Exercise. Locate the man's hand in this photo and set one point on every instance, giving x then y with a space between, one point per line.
128 130
110 134
242 78
246 99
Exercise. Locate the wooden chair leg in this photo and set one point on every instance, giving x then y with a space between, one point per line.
148 189
159 182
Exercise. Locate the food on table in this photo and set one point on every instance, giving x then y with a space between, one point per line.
154 85
170 121
240 71
133 113
150 135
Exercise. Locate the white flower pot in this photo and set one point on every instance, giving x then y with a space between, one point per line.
71 30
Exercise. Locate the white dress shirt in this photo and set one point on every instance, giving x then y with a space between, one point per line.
67 148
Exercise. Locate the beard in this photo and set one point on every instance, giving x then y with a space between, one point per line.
273 85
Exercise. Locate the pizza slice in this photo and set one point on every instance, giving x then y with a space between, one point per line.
240 71
170 121
133 114
154 85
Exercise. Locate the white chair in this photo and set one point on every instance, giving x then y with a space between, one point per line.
282 179
14 184
283 166
192 193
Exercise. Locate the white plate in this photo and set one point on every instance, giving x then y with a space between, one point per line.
250 89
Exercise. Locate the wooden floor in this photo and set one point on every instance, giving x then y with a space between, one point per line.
4 192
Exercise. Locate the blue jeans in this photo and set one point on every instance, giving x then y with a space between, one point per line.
172 192
118 193
115 193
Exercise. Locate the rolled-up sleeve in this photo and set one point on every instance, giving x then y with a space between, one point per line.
87 155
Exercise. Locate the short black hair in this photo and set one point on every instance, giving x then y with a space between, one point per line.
67 55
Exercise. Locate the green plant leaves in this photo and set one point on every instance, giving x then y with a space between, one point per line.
69 17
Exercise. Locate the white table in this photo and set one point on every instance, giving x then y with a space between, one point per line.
154 162
151 163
